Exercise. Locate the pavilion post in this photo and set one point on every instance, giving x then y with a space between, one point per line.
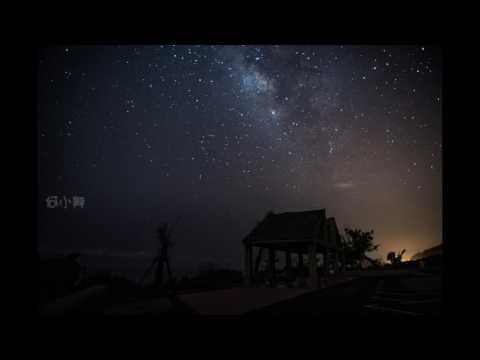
300 260
336 261
271 263
248 265
312 262
326 262
326 255
257 262
288 262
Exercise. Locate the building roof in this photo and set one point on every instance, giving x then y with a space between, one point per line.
433 251
288 227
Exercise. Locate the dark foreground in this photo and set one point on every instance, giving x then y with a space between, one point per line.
366 294
402 295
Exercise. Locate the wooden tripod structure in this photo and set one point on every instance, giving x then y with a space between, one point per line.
162 259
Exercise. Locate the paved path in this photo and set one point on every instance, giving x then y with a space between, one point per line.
237 301
402 295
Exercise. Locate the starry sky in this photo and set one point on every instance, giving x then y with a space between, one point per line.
219 135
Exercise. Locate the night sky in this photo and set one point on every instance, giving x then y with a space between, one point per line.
219 135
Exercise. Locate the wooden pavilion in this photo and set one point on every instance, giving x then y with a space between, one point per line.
302 233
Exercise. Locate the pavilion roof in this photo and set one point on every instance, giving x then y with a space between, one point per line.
289 226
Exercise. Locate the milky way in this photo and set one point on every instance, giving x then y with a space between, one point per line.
219 135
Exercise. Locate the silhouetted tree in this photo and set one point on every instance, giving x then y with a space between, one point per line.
356 243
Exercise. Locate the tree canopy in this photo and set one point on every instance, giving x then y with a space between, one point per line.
356 244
